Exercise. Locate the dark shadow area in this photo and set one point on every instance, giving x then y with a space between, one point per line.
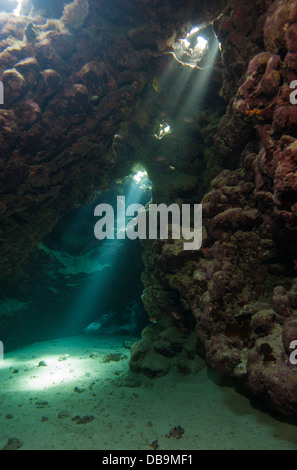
255 402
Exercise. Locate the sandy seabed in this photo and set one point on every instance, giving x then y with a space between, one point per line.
78 394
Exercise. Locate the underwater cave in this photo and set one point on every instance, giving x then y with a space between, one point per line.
148 226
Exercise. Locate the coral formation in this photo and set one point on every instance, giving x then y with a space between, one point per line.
159 351
75 13
240 288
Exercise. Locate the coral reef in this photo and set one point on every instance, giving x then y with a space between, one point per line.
159 351
241 287
75 13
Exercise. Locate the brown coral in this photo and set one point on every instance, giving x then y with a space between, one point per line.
75 13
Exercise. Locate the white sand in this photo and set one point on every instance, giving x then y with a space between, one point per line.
130 411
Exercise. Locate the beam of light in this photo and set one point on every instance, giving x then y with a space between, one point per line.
139 176
193 31
177 83
201 44
164 129
185 43
137 186
200 86
79 264
55 373
94 289
7 363
99 285
187 56
17 10
168 79
191 50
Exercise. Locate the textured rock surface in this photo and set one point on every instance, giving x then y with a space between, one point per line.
241 286
69 84
159 351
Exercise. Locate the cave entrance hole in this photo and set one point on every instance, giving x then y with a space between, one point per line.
76 284
107 299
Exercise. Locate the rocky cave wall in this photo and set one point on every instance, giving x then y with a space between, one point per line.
68 88
241 287
238 295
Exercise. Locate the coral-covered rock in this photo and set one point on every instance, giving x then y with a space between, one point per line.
8 131
281 302
14 85
28 113
289 334
75 13
290 67
29 68
13 175
93 75
293 294
291 38
77 99
285 120
261 85
62 42
286 178
270 374
279 17
262 322
53 82
237 288
46 54
159 351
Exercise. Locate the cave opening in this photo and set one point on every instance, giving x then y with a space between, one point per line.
79 283
198 48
